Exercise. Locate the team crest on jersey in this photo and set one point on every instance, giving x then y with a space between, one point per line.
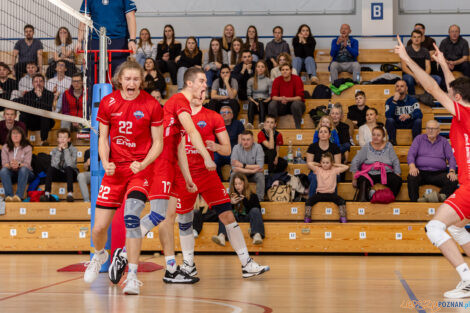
139 114
201 124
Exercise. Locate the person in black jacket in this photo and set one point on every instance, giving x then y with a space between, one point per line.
153 79
242 72
252 44
167 51
304 50
189 57
246 208
7 85
40 98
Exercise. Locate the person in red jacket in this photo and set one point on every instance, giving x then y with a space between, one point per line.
287 95
72 100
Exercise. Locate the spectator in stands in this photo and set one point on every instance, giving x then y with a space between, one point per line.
234 56
60 83
189 57
344 51
224 92
246 208
326 121
327 172
357 112
282 59
253 45
421 56
26 50
428 43
39 98
7 85
213 61
7 124
234 128
167 51
84 178
455 50
368 164
427 161
64 51
316 150
227 37
153 79
259 94
242 72
270 140
365 131
336 114
248 158
16 164
402 112
71 101
157 95
304 50
145 49
26 83
276 47
288 96
63 165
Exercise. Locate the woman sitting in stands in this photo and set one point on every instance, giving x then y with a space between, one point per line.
326 121
153 79
234 56
145 49
256 47
224 92
16 164
282 58
343 129
375 163
365 131
213 61
190 56
227 37
167 51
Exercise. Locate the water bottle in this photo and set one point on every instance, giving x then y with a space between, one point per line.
330 105
290 153
298 155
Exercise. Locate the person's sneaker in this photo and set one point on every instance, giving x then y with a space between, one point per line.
343 219
261 125
69 198
442 197
249 126
16 199
220 240
9 199
93 267
132 285
179 277
44 198
118 266
423 199
461 291
432 197
195 233
44 143
189 269
252 269
257 239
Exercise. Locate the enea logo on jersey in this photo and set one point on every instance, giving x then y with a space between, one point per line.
201 124
139 114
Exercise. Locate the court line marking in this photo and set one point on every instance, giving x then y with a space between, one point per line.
410 293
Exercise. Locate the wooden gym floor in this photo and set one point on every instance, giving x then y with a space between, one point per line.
319 283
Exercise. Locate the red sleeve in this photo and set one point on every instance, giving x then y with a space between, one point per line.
462 114
182 106
103 111
275 91
279 140
219 124
157 114
299 87
261 137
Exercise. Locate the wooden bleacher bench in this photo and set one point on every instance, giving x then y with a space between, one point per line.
48 150
58 188
35 138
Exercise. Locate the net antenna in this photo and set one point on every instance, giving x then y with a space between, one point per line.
46 16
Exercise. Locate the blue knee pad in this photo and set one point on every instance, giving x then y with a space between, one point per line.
185 223
132 211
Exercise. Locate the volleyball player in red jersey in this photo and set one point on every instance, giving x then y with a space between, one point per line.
131 138
176 119
211 126
454 213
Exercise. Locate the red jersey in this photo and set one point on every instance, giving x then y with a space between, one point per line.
208 123
129 124
460 140
172 128
278 140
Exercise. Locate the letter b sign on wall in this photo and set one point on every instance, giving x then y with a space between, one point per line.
377 11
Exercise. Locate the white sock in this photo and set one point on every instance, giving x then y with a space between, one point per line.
47 193
463 271
170 263
124 252
235 236
132 269
187 247
99 252
70 194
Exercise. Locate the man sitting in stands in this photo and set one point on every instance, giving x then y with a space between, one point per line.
427 161
455 49
7 85
71 101
242 72
27 50
344 51
59 84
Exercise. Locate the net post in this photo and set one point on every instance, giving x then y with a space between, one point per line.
103 56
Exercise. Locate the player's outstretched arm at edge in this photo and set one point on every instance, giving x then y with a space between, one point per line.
103 148
223 147
157 146
196 140
428 83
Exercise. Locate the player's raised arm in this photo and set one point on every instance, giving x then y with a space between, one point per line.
428 83
438 56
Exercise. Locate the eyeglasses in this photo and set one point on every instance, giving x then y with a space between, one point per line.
432 128
225 112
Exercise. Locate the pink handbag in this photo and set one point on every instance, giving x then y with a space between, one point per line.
383 196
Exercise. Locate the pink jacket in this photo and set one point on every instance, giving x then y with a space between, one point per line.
365 168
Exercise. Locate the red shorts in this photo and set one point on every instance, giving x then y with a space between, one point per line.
115 188
164 172
209 187
459 201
